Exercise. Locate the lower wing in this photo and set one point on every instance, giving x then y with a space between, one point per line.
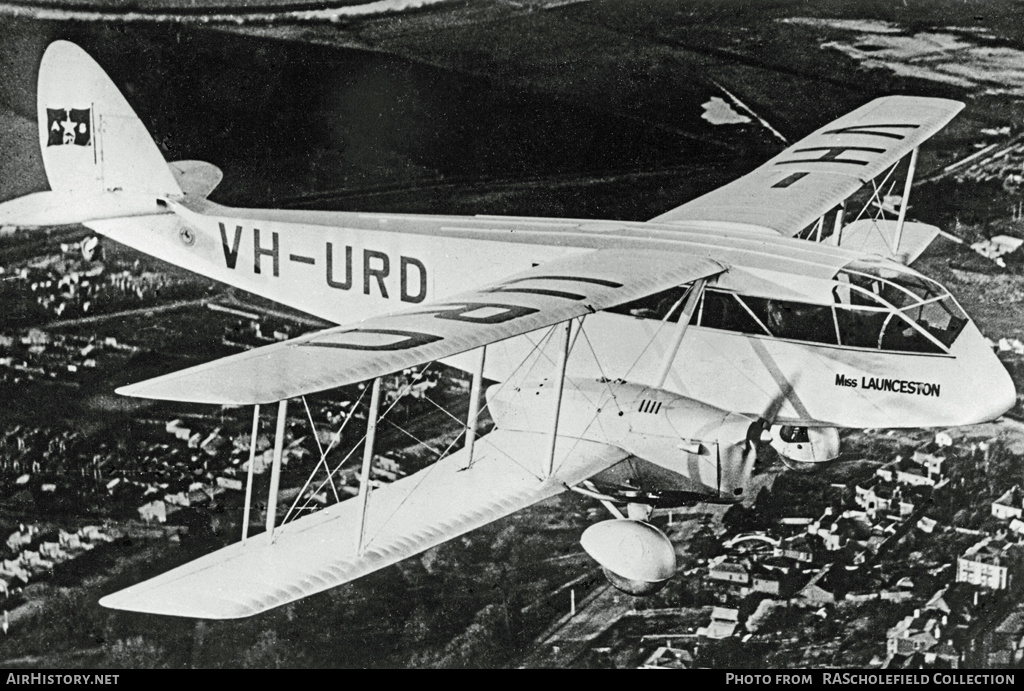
404 518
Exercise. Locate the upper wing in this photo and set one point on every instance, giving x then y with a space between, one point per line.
814 175
544 295
416 513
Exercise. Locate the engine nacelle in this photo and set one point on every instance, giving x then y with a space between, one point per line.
806 448
636 557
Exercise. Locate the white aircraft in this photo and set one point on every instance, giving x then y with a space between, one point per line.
639 363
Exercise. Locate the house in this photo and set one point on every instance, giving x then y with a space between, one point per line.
1010 505
911 472
229 483
12 569
931 457
812 592
22 538
178 429
916 633
729 572
1008 634
153 512
798 547
179 499
996 247
778 582
69 541
840 532
94 534
388 464
53 551
667 657
877 496
993 562
33 562
724 621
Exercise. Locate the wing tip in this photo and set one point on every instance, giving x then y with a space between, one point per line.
194 608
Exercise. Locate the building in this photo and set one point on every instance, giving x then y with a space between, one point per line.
915 633
798 548
729 572
53 551
153 512
877 496
914 472
94 534
1010 505
962 602
666 657
229 483
778 582
993 563
840 532
812 592
996 247
932 458
12 569
22 538
724 621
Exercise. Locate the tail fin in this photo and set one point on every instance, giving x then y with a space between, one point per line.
91 139
99 159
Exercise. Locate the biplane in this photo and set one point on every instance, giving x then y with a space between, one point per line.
644 364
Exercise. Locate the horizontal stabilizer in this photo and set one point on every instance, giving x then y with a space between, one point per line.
548 294
876 237
57 208
196 178
407 517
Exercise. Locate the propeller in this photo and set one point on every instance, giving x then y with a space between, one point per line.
759 432
820 444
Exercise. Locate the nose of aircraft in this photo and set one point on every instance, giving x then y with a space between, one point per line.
986 388
992 390
1000 396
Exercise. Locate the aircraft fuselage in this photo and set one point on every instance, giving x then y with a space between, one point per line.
344 267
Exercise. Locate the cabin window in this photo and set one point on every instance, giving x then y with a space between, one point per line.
874 307
929 319
724 311
943 319
667 303
898 333
860 328
799 321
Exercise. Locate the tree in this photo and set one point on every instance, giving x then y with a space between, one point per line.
134 653
265 653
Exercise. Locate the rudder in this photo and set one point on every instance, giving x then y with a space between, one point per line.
91 139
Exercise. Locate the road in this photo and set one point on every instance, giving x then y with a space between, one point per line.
107 316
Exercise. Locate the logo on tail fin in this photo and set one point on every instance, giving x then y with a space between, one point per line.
69 126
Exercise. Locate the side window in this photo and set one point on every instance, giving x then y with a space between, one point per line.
655 306
941 319
898 334
880 330
859 328
795 320
724 311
